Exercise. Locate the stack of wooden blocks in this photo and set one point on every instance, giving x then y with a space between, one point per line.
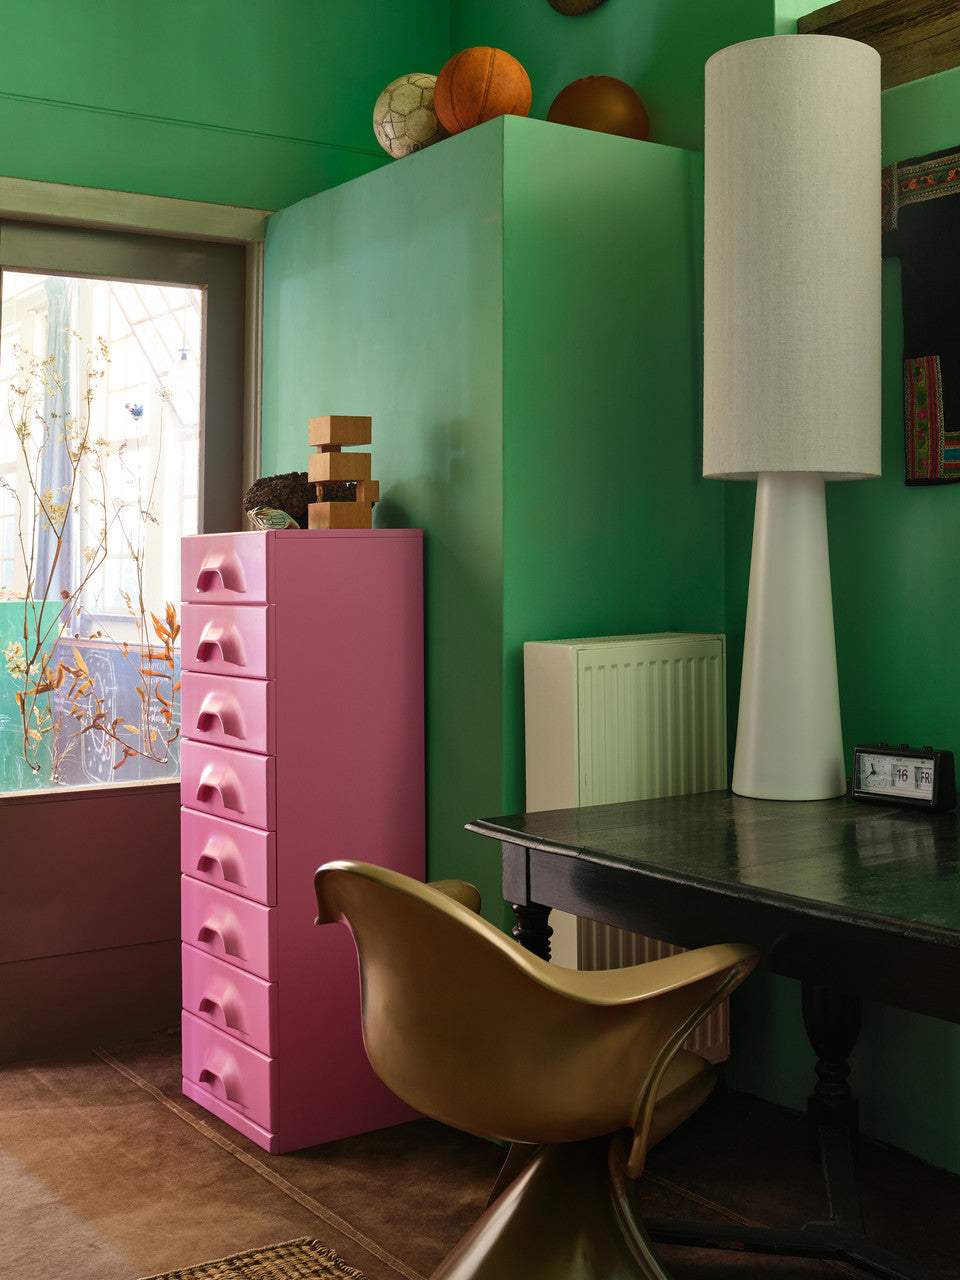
333 471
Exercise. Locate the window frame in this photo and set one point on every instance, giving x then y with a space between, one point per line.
92 209
77 215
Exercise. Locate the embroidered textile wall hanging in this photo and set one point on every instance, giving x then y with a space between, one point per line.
921 227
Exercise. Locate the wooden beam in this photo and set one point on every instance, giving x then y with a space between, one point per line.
915 38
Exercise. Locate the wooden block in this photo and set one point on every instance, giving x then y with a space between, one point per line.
368 491
340 515
338 466
337 429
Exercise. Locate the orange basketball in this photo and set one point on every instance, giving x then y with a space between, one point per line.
479 84
603 104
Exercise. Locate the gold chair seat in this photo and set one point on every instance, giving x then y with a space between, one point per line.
474 1031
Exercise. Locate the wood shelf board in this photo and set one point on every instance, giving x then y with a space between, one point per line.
915 38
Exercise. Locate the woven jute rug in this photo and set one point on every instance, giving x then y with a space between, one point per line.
302 1259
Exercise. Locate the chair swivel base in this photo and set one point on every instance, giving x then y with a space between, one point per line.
566 1215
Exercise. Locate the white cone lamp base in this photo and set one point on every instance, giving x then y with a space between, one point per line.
789 741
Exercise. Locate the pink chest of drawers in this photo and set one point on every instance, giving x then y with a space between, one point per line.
302 713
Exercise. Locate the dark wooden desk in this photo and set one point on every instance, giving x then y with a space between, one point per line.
856 901
862 898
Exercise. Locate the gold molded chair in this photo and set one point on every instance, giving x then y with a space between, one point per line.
580 1071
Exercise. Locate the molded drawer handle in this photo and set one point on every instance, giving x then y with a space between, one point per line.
225 566
224 709
221 854
212 935
226 639
225 784
226 1008
225 1085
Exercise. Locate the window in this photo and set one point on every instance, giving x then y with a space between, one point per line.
109 452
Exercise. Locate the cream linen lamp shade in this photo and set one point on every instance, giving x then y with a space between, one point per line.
791 366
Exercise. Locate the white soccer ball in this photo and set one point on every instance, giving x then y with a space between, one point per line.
403 118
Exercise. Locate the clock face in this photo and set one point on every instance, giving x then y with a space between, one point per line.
885 774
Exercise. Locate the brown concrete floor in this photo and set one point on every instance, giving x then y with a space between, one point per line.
108 1173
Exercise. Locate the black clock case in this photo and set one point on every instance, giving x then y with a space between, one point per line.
944 794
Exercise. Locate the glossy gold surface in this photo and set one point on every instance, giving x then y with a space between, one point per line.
476 1032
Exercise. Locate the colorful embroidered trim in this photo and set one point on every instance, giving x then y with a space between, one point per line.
932 454
913 182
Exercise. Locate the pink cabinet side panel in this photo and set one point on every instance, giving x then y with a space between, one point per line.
356 646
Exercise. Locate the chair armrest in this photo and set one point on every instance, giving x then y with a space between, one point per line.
460 891
655 977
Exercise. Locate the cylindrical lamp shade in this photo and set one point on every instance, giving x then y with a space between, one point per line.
792 258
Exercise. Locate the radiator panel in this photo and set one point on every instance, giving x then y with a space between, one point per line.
627 718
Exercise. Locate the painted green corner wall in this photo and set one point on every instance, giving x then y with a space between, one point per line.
601 399
384 297
270 104
897 615
265 104
249 103
897 619
658 46
528 358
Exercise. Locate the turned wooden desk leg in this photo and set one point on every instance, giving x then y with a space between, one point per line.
532 929
832 1021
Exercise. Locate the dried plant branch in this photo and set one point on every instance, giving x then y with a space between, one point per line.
59 700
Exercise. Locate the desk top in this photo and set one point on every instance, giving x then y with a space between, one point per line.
800 875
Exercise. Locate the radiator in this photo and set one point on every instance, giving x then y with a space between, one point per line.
625 718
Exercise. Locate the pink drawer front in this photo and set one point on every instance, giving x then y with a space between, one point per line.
228 927
228 784
226 997
233 1074
227 711
225 567
226 854
226 640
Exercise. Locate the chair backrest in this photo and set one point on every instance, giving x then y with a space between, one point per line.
471 1029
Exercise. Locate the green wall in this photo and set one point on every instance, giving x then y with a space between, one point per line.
657 46
249 103
604 506
897 617
523 464
528 358
897 613
384 297
265 104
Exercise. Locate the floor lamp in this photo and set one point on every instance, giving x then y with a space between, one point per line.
791 367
